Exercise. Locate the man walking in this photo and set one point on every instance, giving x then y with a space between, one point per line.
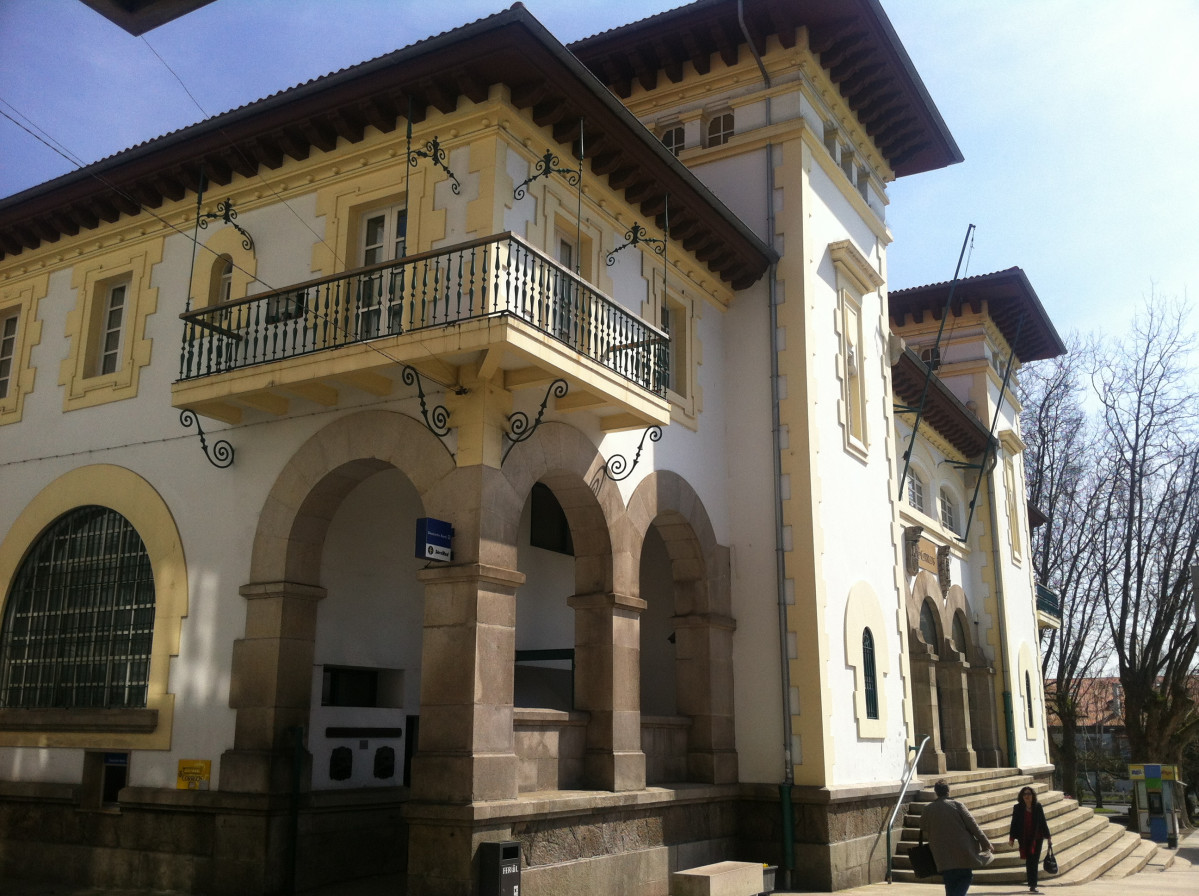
958 843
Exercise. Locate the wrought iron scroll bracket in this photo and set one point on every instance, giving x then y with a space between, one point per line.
221 455
637 234
521 428
548 164
437 420
227 213
618 467
436 152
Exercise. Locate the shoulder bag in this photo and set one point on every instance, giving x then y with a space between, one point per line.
921 857
1050 862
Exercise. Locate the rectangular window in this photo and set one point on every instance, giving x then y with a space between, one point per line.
674 322
8 351
720 129
111 327
383 238
672 139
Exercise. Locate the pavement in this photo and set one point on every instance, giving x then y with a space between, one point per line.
1171 872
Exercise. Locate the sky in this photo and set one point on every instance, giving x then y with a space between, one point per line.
1077 118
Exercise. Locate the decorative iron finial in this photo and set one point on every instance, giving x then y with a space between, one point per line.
549 164
226 212
519 426
222 452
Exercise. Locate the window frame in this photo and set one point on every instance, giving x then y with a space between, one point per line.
109 329
869 674
674 138
10 321
719 128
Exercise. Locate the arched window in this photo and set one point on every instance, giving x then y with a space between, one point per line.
1028 699
222 280
959 635
720 129
869 675
949 510
915 490
928 626
79 620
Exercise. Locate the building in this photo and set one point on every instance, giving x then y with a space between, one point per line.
616 316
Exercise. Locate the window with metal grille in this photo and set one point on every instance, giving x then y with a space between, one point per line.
869 675
79 620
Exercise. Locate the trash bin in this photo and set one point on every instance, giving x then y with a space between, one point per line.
499 868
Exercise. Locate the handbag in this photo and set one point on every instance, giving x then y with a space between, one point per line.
921 857
1050 862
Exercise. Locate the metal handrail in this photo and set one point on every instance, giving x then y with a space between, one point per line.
909 773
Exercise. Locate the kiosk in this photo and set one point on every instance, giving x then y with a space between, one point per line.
1153 798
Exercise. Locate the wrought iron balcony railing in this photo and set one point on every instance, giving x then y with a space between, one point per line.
1048 602
491 277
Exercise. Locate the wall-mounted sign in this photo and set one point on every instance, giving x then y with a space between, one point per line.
433 539
194 774
927 556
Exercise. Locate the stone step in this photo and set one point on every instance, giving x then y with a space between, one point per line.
1087 845
1135 861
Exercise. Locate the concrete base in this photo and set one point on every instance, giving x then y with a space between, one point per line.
719 879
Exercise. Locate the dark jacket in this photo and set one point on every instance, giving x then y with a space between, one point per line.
1040 829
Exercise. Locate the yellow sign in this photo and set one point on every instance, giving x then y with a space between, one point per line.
194 774
1169 773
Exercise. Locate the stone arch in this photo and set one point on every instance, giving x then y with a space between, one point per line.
570 464
703 620
300 505
980 675
270 684
940 676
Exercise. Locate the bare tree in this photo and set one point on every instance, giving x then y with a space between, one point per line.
1148 527
1060 464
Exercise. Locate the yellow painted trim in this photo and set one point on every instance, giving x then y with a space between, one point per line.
135 499
226 241
133 263
23 298
862 611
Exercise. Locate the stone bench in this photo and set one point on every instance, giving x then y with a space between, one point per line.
719 879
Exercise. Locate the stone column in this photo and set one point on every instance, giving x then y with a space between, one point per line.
704 684
466 751
608 686
271 687
925 712
984 725
955 712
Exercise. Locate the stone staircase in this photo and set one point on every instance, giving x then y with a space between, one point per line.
1087 845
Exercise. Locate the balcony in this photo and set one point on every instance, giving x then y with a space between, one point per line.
1049 608
495 304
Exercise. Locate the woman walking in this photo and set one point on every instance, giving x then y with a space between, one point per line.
1029 828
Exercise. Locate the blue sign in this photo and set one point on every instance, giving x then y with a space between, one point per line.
433 539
